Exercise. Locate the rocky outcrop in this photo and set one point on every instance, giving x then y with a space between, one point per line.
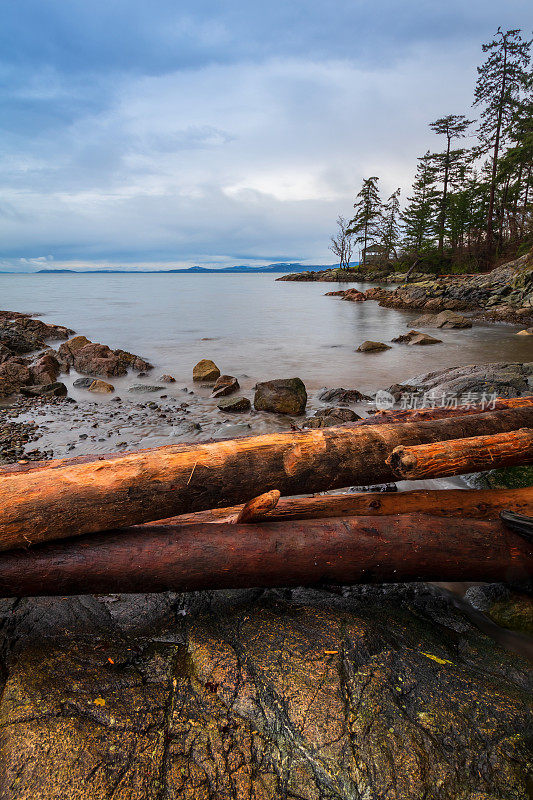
91 358
352 295
22 334
506 293
281 396
342 693
504 379
387 274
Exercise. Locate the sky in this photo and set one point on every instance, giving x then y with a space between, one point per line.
171 133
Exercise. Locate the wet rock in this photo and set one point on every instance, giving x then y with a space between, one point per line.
167 379
398 389
225 385
55 389
13 374
351 295
525 332
83 383
46 369
91 358
234 404
446 319
504 379
341 395
5 353
416 338
144 387
308 694
206 371
281 396
372 347
101 387
326 417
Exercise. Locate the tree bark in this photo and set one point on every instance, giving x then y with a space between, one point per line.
257 508
421 414
460 456
61 500
350 550
477 504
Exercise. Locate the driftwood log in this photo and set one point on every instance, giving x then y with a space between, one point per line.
475 503
63 499
424 414
460 456
348 550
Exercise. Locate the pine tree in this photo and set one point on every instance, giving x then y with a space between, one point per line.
390 229
501 79
365 224
449 163
419 217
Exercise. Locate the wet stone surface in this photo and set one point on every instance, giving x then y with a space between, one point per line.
341 693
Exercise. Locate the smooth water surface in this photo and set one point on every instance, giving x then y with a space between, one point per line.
251 326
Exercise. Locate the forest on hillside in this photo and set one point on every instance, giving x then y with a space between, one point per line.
470 205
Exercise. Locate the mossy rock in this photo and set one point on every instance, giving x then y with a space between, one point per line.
515 613
506 478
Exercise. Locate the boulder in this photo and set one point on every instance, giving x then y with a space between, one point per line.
327 417
341 395
361 692
206 371
281 396
225 385
372 347
46 369
167 379
446 319
83 383
13 374
423 339
91 358
525 332
101 387
235 404
131 360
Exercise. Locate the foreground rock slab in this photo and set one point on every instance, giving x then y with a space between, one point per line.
237 695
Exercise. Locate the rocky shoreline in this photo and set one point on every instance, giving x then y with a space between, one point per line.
503 295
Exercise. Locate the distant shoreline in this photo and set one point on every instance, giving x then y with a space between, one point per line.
275 269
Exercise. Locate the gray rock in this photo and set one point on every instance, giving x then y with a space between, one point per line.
446 319
372 347
235 404
225 385
505 379
326 417
83 383
145 387
341 395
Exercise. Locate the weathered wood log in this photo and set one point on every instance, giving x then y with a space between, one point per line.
459 456
475 503
257 508
53 502
341 551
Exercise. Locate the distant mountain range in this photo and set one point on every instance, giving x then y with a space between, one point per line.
225 270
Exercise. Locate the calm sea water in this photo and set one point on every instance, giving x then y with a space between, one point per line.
251 326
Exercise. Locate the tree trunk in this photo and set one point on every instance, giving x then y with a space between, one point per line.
364 550
59 500
460 456
477 504
423 414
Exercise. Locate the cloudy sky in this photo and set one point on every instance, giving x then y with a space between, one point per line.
179 132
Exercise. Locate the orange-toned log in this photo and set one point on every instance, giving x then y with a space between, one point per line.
65 499
256 509
348 550
474 503
459 456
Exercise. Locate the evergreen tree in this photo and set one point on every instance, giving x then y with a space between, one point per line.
449 163
390 229
365 224
501 79
419 217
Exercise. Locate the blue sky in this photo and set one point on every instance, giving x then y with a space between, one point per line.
177 133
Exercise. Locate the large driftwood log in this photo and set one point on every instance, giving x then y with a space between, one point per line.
424 414
349 550
476 504
459 456
53 502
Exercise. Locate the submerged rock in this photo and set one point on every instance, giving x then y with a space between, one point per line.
281 396
372 347
206 371
145 387
235 404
